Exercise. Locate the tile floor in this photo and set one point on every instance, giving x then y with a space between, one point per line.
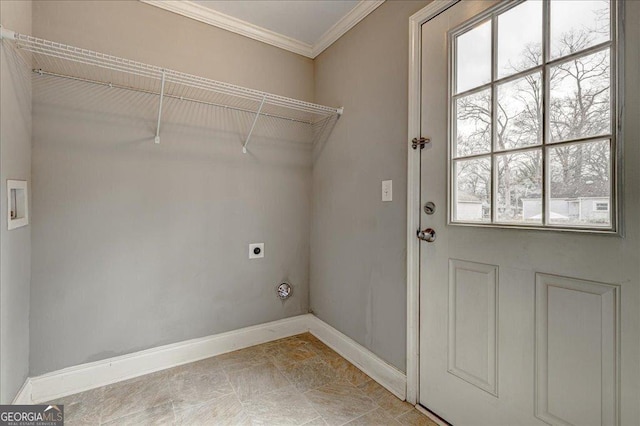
293 381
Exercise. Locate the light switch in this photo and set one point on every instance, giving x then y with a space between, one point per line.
387 190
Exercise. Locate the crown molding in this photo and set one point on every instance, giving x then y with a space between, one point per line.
348 21
209 16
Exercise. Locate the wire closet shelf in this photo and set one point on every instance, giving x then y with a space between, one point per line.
60 60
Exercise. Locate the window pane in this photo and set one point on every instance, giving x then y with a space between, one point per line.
519 121
520 38
519 187
577 25
473 58
472 190
580 184
579 97
547 131
473 124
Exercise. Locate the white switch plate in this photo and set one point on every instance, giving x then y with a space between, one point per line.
387 190
253 247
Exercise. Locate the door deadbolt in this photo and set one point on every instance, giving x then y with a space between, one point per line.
429 208
428 235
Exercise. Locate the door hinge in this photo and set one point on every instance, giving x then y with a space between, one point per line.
415 142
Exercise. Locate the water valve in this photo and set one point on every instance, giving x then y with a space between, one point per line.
284 291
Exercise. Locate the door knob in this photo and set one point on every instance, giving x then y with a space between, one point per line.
428 235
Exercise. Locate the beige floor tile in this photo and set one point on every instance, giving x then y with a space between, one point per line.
271 346
308 337
415 418
290 341
385 399
257 380
316 422
243 358
82 408
308 374
135 395
393 405
290 349
373 389
348 371
323 350
340 402
377 417
293 381
281 407
226 410
288 354
287 342
194 386
160 415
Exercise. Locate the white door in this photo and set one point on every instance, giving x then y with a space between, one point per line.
521 325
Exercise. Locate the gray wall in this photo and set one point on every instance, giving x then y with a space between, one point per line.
148 34
15 245
136 245
358 269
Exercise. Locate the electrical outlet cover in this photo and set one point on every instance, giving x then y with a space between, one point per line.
256 250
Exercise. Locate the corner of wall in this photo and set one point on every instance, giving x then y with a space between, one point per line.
358 243
15 245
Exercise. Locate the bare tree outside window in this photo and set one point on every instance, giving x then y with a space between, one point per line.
501 146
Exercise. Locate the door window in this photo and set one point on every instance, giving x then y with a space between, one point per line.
532 116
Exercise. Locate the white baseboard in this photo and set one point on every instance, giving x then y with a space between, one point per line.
83 377
394 380
23 397
100 373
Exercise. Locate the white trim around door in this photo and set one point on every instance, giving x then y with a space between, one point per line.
413 193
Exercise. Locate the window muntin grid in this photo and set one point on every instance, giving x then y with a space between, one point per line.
484 203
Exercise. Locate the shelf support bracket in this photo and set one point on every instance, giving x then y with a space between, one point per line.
255 120
157 138
6 34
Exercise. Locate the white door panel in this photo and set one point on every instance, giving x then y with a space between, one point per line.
526 327
472 327
576 351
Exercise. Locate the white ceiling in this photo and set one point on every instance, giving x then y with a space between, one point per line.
303 20
306 27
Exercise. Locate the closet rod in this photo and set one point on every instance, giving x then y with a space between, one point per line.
166 95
